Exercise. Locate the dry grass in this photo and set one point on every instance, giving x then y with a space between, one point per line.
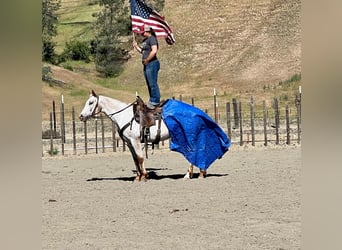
241 48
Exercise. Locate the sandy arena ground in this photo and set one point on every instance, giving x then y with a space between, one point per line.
251 199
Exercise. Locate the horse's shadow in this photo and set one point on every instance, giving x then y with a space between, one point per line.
152 175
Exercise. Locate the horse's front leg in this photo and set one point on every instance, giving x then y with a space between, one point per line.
139 162
135 148
143 173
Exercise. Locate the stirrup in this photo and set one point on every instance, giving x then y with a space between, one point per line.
144 134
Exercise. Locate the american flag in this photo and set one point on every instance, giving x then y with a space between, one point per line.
142 14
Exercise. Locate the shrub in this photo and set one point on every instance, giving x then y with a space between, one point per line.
54 151
46 73
76 50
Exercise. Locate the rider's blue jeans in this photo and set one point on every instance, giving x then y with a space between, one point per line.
151 77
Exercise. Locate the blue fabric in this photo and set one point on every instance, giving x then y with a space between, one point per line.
194 134
151 77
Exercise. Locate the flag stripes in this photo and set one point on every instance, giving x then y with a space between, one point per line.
141 14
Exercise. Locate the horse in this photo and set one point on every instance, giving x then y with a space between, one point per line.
129 130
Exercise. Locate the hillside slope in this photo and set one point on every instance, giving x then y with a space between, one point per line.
237 47
240 41
229 43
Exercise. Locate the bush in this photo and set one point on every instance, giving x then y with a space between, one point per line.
52 152
46 73
76 50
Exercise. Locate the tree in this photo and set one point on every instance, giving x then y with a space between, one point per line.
112 23
49 28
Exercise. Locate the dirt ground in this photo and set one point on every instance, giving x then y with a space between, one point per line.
251 199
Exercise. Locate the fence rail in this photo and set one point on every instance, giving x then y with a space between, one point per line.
249 123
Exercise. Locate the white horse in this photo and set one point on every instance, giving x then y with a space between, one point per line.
129 130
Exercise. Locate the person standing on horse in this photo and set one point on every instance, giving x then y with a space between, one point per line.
151 64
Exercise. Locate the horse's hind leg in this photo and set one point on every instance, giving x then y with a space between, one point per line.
190 172
203 174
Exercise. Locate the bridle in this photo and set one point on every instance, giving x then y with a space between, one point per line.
93 114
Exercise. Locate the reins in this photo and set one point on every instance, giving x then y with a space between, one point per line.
117 112
127 124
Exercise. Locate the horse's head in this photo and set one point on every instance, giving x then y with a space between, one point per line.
91 107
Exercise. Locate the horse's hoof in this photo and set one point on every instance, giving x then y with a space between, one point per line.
187 176
143 178
202 174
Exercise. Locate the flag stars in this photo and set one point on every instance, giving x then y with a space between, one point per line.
141 10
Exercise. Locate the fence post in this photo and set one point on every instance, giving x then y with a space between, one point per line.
85 138
73 130
215 106
192 101
265 121
287 125
51 135
241 132
102 133
229 126
96 135
123 146
298 106
114 137
62 124
236 113
252 121
54 118
276 116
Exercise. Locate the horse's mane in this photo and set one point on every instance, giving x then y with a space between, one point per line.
114 103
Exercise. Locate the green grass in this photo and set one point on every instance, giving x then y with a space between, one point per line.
294 79
75 22
78 93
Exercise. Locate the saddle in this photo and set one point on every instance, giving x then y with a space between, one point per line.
144 116
147 118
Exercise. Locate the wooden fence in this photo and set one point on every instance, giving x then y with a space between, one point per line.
245 123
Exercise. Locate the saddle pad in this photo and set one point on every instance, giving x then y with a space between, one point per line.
194 134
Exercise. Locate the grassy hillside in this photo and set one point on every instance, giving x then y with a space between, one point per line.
239 47
75 21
